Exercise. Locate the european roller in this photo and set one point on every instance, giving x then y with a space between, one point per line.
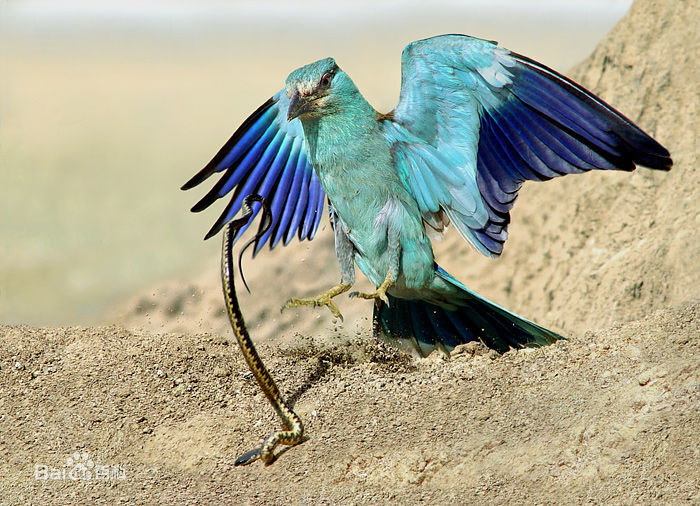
473 123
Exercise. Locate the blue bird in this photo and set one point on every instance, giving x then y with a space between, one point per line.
473 123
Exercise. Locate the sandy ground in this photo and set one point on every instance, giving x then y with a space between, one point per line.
610 416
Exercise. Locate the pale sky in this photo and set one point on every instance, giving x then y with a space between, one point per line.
189 10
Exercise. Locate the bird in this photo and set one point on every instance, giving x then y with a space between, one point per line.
474 121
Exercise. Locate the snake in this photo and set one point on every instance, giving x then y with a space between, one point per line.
292 432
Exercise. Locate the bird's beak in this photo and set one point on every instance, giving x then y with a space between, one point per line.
298 105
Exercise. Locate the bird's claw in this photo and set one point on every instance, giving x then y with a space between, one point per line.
325 299
378 294
319 301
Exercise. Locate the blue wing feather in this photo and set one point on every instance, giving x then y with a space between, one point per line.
277 207
309 216
270 181
251 129
249 187
495 119
537 153
265 155
251 161
297 177
240 149
319 211
495 194
302 201
561 142
524 164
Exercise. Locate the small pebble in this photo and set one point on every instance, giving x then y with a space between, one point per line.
643 378
222 371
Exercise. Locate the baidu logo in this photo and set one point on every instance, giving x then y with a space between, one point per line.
79 467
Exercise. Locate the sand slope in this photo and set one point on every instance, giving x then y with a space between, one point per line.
612 260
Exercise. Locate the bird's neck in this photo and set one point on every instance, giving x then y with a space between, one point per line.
334 138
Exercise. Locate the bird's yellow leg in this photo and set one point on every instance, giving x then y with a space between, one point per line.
380 292
324 299
394 252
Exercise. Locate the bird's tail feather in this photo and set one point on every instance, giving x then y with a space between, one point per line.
425 326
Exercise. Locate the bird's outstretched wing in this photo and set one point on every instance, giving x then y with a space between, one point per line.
474 121
266 156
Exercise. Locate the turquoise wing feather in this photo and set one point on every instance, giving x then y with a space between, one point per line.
474 121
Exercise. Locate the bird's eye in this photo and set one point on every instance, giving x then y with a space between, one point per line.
326 79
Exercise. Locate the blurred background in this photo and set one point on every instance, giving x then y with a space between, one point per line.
107 107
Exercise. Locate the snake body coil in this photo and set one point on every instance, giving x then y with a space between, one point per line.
293 428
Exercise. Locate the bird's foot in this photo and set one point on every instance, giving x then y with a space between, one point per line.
380 292
325 299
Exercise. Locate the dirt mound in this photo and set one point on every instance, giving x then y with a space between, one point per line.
611 415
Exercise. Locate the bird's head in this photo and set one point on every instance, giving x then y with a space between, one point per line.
316 89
